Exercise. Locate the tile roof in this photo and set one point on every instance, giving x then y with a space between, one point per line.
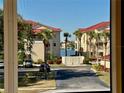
33 23
96 26
37 27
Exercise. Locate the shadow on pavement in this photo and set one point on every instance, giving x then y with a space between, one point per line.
67 74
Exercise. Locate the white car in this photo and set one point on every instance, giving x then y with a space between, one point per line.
27 63
1 63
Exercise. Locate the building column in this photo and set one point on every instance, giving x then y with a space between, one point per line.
10 47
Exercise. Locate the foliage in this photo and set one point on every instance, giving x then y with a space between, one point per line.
50 61
78 35
24 33
25 38
21 56
71 45
98 67
46 35
58 61
39 61
1 33
66 35
86 58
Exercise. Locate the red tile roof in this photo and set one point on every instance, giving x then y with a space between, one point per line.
36 25
97 26
33 23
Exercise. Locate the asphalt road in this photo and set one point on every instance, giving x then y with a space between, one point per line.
78 79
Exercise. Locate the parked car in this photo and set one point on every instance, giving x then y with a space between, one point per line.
28 63
44 66
1 64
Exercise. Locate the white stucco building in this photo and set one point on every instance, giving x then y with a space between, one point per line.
38 48
96 47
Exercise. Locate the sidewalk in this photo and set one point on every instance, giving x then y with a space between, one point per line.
74 90
43 85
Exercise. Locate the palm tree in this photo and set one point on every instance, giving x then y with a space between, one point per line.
66 35
79 34
46 35
91 35
106 36
97 37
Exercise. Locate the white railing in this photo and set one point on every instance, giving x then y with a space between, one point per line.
73 60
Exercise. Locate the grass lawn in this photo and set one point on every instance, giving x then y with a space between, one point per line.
104 76
35 85
57 65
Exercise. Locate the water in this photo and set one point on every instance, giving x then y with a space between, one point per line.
69 52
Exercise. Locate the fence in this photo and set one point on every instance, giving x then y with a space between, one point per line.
73 60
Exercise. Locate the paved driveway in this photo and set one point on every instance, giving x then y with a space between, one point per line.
78 79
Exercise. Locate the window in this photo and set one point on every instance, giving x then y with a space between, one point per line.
12 83
54 44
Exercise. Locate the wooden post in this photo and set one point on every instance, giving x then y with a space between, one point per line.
10 47
116 47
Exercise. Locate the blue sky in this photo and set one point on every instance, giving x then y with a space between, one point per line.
68 15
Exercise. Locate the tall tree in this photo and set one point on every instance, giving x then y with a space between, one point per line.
91 35
66 35
46 35
106 36
79 34
25 40
97 37
1 33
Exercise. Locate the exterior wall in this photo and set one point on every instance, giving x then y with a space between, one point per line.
38 48
73 60
76 44
38 51
93 48
84 42
107 65
55 44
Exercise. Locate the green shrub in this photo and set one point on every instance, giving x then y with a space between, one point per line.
86 60
50 62
21 57
98 67
39 61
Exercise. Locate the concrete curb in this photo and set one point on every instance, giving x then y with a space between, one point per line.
75 90
94 70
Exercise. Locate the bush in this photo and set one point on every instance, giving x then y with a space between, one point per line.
39 61
58 60
50 62
98 67
86 60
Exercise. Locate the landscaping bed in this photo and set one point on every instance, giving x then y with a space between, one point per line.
30 79
104 76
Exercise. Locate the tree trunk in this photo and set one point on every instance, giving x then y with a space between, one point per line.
97 50
105 56
80 48
90 50
66 46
